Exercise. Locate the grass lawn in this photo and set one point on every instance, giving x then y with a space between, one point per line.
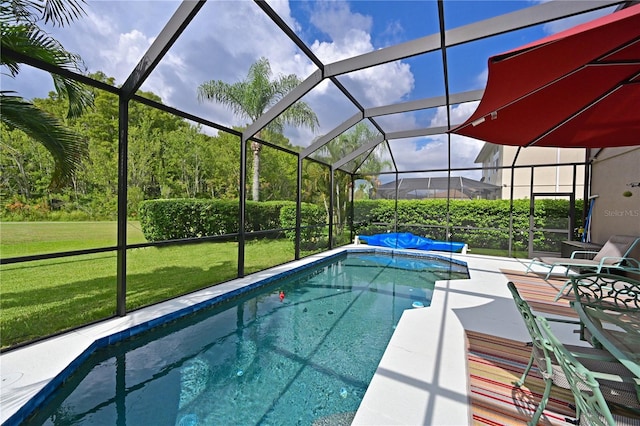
42 297
27 238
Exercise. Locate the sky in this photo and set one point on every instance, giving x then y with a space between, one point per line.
228 36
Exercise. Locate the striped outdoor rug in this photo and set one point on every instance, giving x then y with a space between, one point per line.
494 364
539 293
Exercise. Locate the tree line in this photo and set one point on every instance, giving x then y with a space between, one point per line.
168 158
60 153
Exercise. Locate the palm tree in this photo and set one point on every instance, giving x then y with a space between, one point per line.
252 97
338 148
20 33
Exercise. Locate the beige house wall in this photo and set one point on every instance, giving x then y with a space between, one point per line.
546 179
613 172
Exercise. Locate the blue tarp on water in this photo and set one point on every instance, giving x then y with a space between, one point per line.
407 240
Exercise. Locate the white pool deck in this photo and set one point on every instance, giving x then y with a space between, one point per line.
421 379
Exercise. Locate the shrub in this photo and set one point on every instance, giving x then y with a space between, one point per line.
191 218
313 234
479 223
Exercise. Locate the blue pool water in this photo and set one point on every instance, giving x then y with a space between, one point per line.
257 359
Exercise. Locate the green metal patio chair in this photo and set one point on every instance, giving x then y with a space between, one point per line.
615 254
591 402
606 366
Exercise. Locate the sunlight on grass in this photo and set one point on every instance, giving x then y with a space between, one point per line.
42 297
29 238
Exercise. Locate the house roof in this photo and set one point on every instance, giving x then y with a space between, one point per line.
436 187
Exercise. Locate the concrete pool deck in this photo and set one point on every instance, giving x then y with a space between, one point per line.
421 379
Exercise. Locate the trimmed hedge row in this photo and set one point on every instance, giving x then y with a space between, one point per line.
427 217
191 218
314 232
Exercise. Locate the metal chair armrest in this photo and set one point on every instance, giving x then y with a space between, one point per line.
609 358
616 378
582 252
618 260
564 321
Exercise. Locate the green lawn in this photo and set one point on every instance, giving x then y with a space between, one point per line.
27 238
42 297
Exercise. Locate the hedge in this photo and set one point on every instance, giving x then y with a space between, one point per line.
479 223
314 233
191 218
428 217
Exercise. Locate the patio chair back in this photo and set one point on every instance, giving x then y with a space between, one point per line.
591 406
539 351
616 247
539 354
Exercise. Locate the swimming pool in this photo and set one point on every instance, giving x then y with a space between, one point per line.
257 359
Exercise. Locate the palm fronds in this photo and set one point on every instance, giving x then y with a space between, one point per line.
20 33
28 39
67 148
56 12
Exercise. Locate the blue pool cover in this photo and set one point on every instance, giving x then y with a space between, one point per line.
407 240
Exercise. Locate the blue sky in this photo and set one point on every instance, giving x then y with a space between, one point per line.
228 36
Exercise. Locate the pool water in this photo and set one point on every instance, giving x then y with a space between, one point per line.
300 351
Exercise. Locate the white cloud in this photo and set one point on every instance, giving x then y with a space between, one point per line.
120 58
337 20
281 7
355 42
482 78
350 36
393 30
385 84
398 122
432 152
460 113
96 23
114 36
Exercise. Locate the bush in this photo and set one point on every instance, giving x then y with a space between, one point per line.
490 218
57 210
313 234
191 218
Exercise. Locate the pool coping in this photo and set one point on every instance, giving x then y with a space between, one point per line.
407 388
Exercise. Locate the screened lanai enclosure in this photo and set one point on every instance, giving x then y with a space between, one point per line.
222 138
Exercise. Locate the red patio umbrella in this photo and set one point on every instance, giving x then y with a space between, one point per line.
576 88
